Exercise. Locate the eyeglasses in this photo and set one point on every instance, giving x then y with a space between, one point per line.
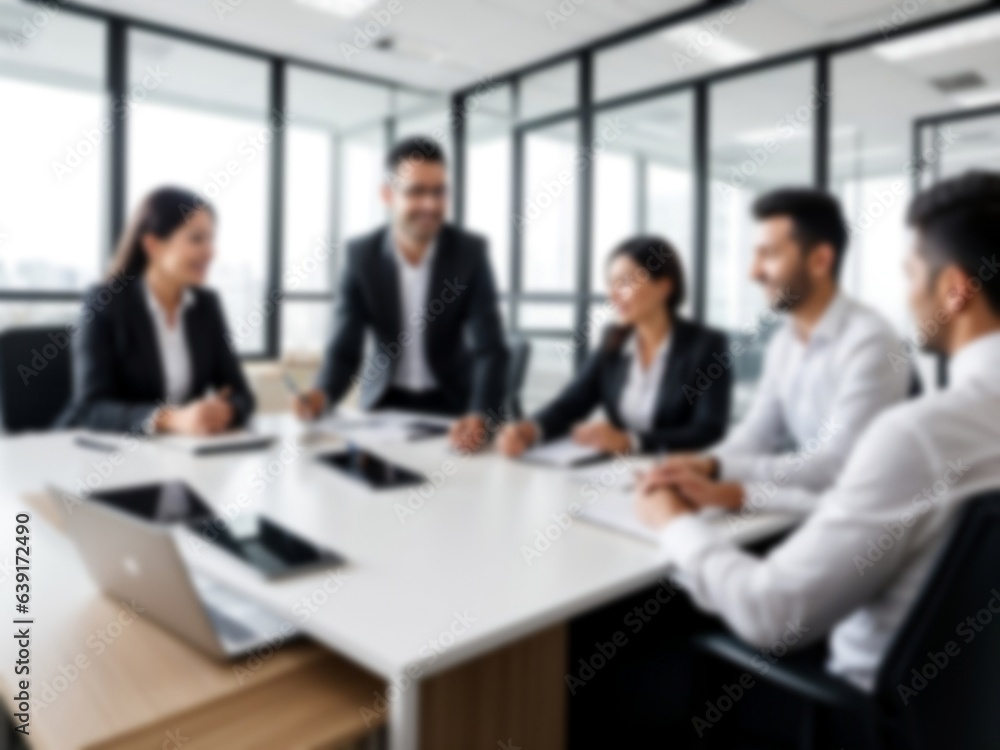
415 192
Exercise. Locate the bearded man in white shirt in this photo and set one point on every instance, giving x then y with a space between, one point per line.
829 369
913 468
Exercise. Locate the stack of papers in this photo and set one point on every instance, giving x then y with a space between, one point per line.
562 453
227 442
616 510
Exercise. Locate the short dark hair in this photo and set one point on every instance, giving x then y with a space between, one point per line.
417 148
660 259
959 219
815 215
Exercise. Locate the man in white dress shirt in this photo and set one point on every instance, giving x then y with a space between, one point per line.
855 566
829 369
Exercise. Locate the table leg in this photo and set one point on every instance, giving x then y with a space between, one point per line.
404 716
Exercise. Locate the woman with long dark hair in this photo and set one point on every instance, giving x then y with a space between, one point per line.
657 376
151 352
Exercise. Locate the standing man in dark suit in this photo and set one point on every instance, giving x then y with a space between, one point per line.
425 292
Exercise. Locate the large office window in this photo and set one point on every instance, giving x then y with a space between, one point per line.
200 120
53 147
322 169
873 167
643 178
548 215
760 138
488 149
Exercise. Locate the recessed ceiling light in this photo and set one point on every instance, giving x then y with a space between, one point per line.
964 34
716 48
977 98
341 8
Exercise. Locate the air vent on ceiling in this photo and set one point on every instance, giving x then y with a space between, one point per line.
964 81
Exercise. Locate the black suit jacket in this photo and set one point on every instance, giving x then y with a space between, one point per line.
117 374
462 340
688 415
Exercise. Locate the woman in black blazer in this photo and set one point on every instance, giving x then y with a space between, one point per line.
151 352
663 382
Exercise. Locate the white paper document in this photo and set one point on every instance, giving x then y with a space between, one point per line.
383 426
562 453
615 509
227 442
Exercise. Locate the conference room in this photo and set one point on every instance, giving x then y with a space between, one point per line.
425 374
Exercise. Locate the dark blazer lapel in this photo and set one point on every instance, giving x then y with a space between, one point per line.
442 264
673 373
386 285
144 337
196 332
618 367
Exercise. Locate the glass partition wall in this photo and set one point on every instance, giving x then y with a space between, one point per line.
100 110
671 127
676 131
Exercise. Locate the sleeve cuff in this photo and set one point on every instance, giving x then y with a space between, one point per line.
686 539
736 468
635 442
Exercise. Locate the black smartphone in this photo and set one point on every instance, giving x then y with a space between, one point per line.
273 551
165 502
373 470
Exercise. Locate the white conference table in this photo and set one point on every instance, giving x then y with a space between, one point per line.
422 592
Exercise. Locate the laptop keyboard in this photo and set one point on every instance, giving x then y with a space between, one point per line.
236 618
229 630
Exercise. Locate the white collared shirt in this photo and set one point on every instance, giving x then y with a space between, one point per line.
856 565
413 373
171 341
637 403
814 400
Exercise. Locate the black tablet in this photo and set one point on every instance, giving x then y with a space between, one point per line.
262 544
374 471
164 502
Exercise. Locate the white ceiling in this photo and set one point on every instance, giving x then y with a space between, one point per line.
447 44
439 44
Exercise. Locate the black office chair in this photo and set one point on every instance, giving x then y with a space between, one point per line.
916 384
952 705
35 377
517 369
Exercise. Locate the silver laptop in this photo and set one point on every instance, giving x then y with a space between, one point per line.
132 560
